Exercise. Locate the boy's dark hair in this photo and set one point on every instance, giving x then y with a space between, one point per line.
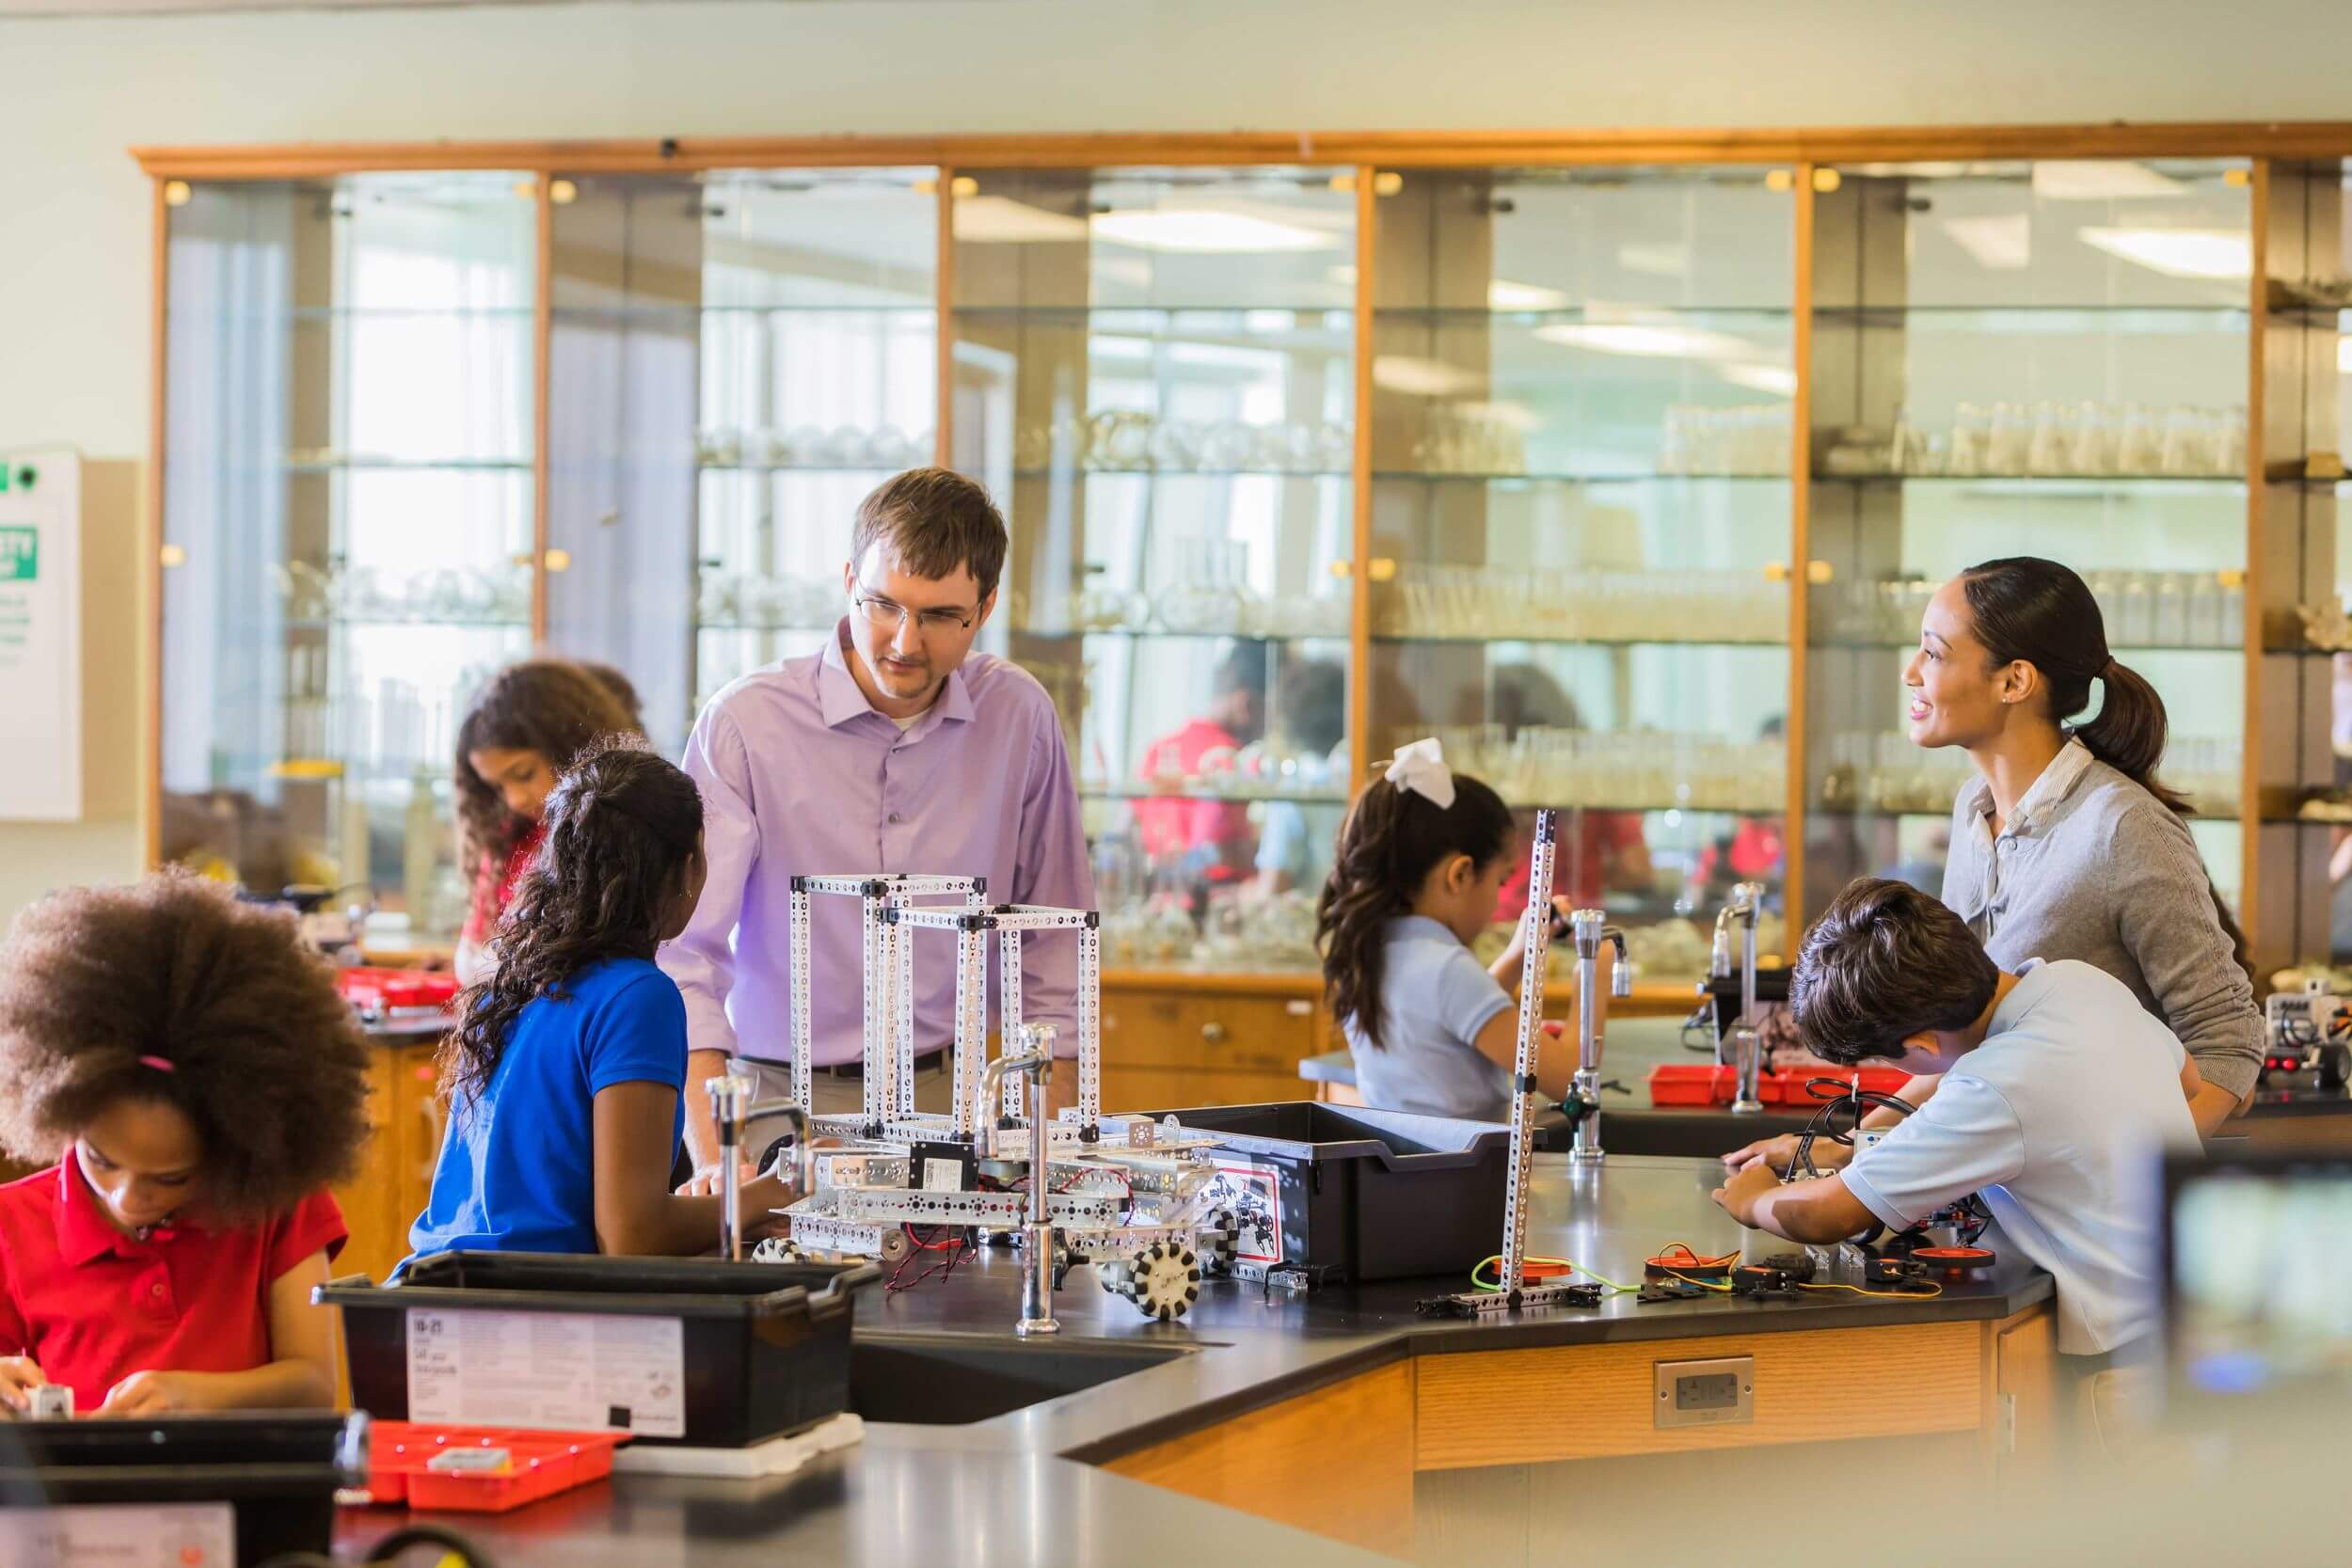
931 521
549 706
1885 962
1312 703
622 827
1391 840
266 1056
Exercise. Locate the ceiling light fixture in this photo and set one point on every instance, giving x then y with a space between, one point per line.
2214 253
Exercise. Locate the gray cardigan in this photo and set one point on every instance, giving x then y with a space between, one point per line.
2093 867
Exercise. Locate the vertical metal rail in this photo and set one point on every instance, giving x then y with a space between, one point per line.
1537 930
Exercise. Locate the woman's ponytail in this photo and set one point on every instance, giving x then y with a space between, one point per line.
2129 733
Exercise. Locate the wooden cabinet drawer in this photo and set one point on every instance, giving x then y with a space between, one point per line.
1208 1030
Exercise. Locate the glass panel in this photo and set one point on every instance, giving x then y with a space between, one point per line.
737 359
1582 385
2043 358
1154 369
347 511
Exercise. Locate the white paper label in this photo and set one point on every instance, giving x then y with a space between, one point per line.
942 1176
1252 1194
577 1371
120 1535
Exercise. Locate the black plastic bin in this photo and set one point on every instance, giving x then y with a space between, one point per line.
278 1471
766 1346
1369 1195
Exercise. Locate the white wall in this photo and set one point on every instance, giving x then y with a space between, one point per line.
75 241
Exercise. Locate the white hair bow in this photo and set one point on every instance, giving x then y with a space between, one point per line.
1421 767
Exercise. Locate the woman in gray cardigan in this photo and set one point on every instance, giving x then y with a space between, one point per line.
2065 845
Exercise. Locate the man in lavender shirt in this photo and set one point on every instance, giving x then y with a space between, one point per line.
897 749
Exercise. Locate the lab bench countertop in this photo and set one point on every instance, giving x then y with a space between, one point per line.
1023 1487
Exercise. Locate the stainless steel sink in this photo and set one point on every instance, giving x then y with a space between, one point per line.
954 1379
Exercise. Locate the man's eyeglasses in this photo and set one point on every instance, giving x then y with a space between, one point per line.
884 616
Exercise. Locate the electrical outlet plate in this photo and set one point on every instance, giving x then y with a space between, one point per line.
1721 1393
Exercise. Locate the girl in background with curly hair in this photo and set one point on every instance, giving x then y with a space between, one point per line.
1421 860
198 1081
567 1075
521 731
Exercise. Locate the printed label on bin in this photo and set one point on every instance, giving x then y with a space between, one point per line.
122 1535
1253 1196
573 1371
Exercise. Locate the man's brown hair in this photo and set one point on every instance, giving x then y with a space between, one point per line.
1883 963
931 521
171 990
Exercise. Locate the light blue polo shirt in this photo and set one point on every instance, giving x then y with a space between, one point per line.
2056 1119
1435 997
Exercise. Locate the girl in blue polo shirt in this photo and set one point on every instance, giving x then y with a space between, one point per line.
567 1077
1421 860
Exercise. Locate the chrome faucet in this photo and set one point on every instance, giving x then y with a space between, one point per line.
1591 931
728 1094
1747 1043
1037 1235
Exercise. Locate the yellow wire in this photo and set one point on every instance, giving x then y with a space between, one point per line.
1555 1262
1933 1291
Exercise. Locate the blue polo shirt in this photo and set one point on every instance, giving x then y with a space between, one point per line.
1435 998
517 1169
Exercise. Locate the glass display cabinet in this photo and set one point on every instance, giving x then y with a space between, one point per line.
1153 371
2009 358
1581 445
735 358
346 489
1628 480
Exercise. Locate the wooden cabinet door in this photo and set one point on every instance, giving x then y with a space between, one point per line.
1173 1048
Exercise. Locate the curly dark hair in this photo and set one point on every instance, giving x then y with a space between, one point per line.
1391 840
623 826
267 1058
1885 962
552 707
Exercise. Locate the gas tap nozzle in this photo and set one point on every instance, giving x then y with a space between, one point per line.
1589 929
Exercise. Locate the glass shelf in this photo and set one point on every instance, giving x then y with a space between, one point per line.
1506 636
1096 472
1235 795
407 464
2033 319
2052 484
519 314
1627 316
876 470
421 623
1517 477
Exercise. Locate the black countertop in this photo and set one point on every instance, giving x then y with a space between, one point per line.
1022 1487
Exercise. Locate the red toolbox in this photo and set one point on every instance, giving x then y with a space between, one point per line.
1876 1080
538 1465
396 997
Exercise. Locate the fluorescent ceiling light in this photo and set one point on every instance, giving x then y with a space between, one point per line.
2344 356
1001 220
1650 340
2100 180
1779 380
2003 244
1503 294
2218 253
1424 378
1206 231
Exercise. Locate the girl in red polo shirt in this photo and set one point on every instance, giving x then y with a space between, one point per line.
523 729
204 1082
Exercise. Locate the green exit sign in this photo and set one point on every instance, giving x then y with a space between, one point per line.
19 554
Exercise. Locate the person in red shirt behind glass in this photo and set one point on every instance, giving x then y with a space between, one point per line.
522 729
198 1079
1206 839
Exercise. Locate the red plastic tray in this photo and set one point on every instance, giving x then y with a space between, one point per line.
1687 1084
540 1464
387 990
1877 1079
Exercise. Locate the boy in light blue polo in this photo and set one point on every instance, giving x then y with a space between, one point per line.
2057 1090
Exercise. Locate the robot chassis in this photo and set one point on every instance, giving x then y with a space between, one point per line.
1124 1192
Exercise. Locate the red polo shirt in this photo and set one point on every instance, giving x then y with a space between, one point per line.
91 1305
